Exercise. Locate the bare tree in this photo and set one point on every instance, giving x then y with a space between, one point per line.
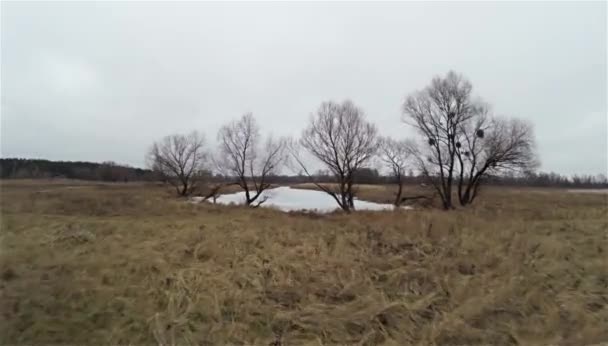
247 160
395 155
341 138
492 146
461 138
180 159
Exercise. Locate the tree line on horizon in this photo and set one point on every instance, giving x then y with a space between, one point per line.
24 168
460 146
109 171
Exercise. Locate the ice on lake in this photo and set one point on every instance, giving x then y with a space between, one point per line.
288 199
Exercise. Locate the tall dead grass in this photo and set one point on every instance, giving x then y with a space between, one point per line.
132 265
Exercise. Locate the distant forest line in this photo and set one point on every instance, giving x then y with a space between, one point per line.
18 168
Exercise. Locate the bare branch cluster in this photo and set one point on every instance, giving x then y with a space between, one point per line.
340 138
242 156
181 159
463 141
395 155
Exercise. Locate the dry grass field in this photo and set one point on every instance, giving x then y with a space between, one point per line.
130 264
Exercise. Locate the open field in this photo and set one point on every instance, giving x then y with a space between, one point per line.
130 264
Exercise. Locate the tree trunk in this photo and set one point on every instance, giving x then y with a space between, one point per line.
184 189
446 198
248 199
344 202
465 197
350 195
399 192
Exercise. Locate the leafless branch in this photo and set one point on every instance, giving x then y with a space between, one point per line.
461 141
395 155
340 138
181 159
243 157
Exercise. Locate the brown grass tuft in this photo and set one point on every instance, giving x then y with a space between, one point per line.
129 264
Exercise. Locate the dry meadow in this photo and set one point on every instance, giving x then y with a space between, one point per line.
131 264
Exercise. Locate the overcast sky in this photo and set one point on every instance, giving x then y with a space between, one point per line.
101 81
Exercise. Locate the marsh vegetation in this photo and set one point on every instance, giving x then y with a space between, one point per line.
90 263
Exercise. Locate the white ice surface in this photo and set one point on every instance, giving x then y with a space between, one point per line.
288 199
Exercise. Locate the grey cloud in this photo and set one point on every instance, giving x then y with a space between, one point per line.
101 81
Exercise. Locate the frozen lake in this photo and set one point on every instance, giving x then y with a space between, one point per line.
288 199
